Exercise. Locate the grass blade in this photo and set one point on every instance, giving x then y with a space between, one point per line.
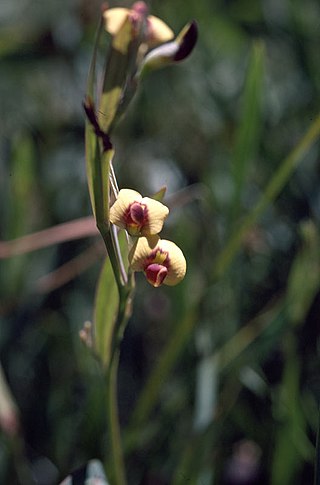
248 134
272 190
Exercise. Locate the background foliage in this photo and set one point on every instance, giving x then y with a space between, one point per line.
219 377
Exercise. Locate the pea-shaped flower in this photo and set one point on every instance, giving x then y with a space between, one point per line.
160 260
140 216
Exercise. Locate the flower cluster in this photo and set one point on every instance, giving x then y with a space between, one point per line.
140 43
160 260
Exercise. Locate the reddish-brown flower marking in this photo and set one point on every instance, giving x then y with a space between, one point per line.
136 216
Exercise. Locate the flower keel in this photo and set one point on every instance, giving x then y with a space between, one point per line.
155 274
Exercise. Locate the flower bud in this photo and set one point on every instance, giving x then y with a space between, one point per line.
172 52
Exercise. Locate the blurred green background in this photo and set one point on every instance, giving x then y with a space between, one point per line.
219 376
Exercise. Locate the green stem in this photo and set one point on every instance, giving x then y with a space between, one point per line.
116 245
108 241
117 462
112 407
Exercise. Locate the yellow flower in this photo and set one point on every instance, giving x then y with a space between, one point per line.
160 260
156 31
140 216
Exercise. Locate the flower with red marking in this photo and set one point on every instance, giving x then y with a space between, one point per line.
161 261
140 216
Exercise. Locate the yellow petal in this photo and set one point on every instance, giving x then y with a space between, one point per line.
141 250
158 31
157 213
124 199
177 263
114 19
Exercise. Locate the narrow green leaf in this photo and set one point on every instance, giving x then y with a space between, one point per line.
302 290
105 312
272 190
22 184
292 446
248 133
18 207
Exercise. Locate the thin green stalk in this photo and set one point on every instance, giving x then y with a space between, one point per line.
108 241
111 382
114 235
117 462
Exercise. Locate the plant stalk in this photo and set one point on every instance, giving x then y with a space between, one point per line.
117 462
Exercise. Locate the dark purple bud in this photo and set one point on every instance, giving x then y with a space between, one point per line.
188 41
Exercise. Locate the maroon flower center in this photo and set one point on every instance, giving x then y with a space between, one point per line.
156 273
137 213
136 217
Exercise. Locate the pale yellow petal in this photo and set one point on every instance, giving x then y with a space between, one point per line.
158 31
177 262
118 209
157 213
114 19
141 251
